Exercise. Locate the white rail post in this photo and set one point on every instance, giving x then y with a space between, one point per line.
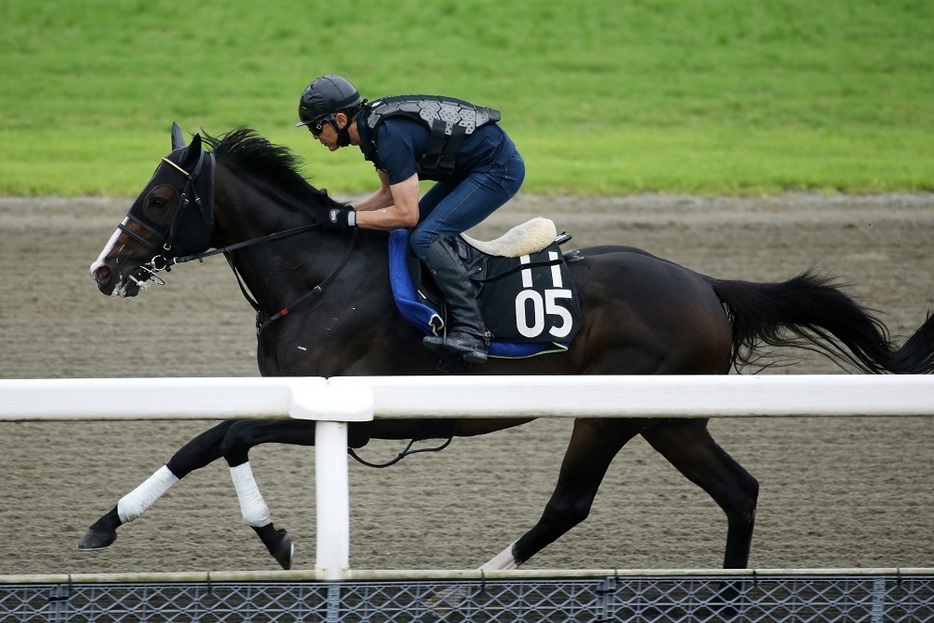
332 409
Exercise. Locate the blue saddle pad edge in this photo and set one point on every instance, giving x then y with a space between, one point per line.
429 320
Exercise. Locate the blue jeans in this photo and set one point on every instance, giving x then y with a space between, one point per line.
449 209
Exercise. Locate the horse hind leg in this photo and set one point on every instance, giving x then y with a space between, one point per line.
594 443
689 447
197 453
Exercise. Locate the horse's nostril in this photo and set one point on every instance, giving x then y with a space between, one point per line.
101 274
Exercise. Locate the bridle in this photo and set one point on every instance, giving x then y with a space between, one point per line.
160 239
167 239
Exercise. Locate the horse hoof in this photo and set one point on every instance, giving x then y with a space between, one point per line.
95 539
284 549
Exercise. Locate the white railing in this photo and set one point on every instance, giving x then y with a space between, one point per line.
334 402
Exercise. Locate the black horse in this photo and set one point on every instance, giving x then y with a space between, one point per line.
324 308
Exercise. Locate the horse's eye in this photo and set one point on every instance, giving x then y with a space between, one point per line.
158 203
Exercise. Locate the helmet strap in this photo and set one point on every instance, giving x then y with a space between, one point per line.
343 134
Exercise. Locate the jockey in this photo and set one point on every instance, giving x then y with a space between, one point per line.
461 147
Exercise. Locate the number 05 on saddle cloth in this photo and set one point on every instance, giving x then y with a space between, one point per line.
525 289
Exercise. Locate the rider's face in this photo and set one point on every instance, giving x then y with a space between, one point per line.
328 135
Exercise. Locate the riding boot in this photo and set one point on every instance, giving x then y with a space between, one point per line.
467 337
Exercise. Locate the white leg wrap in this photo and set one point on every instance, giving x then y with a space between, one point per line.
503 561
138 501
252 506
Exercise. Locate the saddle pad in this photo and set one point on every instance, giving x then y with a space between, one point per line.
429 320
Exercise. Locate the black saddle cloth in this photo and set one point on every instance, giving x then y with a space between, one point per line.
529 303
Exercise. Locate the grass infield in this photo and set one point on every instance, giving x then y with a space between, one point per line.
718 97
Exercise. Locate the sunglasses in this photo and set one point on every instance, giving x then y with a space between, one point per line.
317 127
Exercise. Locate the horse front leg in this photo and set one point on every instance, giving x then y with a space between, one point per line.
239 440
197 453
594 444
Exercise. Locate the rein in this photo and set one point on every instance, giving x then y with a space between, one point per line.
169 262
166 240
160 263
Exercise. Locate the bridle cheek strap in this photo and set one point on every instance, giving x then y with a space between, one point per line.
190 193
167 235
166 238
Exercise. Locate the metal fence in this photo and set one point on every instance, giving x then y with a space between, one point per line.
819 597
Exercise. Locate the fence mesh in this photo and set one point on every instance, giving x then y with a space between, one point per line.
643 599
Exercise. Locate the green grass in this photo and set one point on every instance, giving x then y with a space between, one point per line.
723 96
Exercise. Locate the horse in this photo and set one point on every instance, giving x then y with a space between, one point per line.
325 308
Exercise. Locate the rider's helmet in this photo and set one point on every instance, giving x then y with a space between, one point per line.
325 96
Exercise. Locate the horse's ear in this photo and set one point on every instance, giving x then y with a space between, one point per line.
192 153
178 139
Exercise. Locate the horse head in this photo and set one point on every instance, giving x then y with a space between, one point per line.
172 215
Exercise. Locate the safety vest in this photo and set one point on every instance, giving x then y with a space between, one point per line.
450 121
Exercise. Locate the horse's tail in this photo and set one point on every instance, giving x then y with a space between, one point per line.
812 312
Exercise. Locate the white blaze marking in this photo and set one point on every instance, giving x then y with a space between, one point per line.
107 249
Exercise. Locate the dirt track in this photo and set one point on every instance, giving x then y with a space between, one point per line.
835 492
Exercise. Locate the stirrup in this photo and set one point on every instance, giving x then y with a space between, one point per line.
454 345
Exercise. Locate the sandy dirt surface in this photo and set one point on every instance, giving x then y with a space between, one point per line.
834 492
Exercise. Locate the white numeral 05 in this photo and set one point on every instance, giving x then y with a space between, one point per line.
541 308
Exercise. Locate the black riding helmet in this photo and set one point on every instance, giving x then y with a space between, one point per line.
325 96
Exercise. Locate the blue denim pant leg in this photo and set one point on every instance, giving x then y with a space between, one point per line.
449 209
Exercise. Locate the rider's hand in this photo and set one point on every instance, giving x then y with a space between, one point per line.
340 218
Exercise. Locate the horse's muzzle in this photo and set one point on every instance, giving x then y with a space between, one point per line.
102 275
107 284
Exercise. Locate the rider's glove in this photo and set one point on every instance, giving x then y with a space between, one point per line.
340 218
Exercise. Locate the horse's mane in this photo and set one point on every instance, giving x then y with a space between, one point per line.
246 149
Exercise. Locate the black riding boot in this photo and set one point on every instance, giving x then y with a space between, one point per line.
467 337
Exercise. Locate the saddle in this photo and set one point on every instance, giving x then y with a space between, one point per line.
524 286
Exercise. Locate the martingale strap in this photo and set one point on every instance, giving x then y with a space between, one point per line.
315 292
